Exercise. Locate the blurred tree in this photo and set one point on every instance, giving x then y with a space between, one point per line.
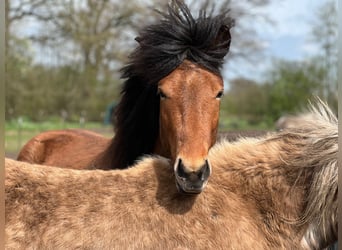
18 10
86 36
291 85
78 46
324 34
246 99
18 61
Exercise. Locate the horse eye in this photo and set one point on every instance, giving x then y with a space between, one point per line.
219 94
161 94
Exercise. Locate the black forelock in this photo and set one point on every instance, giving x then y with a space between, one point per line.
176 37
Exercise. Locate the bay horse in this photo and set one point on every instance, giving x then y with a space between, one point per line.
169 105
275 192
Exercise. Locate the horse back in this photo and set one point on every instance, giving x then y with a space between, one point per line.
70 148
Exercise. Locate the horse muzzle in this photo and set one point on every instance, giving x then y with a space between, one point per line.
189 181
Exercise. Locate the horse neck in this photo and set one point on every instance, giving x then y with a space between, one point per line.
137 125
257 170
162 149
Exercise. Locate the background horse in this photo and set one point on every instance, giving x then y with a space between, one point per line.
277 192
169 105
64 147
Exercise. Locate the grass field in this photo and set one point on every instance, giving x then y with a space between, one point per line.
17 133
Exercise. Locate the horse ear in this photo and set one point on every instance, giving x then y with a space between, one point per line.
223 38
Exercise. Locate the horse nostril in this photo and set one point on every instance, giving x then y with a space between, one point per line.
204 172
181 169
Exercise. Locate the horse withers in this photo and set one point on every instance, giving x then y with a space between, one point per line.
169 104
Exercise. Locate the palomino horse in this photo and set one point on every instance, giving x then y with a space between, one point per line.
169 105
275 192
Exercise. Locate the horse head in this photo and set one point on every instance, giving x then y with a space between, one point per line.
173 93
189 114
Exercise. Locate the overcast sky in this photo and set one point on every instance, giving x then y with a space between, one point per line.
293 20
287 39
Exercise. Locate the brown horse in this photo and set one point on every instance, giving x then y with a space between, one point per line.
45 148
276 192
169 105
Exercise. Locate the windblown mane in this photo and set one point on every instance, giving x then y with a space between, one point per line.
321 128
162 47
313 145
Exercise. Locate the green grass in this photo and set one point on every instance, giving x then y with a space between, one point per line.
26 124
17 133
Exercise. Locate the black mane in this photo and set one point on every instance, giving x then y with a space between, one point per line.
162 47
